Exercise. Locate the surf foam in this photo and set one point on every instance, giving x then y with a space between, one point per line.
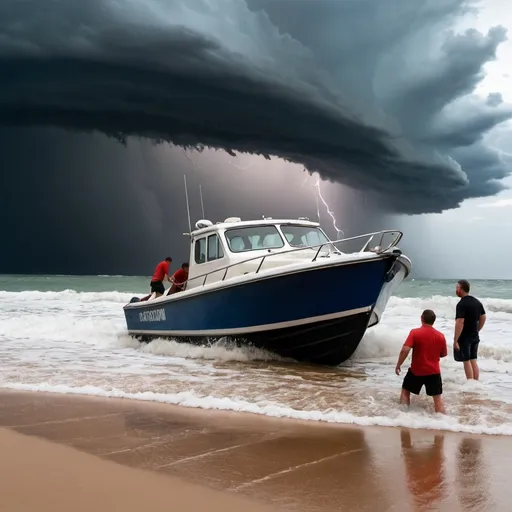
75 342
396 418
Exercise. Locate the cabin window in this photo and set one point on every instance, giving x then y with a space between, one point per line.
253 238
215 251
200 250
303 236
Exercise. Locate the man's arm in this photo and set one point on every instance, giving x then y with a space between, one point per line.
444 348
175 276
409 343
483 318
481 322
459 324
401 358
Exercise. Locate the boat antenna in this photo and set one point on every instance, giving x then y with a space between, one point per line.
201 196
188 208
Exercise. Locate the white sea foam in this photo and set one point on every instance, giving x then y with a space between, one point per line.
75 342
220 351
394 418
67 295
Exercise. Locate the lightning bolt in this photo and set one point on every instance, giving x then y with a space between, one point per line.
329 212
318 194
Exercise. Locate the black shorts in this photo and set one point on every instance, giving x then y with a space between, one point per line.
468 350
157 287
433 383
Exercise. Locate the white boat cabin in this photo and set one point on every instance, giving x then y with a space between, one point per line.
240 246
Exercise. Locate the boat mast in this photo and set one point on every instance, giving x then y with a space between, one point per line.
188 208
201 196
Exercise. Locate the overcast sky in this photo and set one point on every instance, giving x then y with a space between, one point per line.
474 240
405 105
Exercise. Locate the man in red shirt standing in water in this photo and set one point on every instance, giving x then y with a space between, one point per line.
428 346
161 273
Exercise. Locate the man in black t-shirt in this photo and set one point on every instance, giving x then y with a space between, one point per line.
469 320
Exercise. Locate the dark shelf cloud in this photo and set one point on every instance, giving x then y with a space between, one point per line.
377 96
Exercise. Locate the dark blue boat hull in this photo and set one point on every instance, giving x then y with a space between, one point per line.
319 315
329 342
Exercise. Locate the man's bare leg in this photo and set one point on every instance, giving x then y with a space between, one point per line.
405 397
468 368
476 370
438 404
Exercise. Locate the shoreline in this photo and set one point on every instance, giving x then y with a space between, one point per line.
221 408
291 464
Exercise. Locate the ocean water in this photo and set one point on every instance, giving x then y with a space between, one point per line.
66 334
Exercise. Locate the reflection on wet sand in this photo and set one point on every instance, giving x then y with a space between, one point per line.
294 465
315 469
425 470
342 475
473 477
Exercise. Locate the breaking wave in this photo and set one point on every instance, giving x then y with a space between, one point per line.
76 342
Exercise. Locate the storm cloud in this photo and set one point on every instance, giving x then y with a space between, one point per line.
375 95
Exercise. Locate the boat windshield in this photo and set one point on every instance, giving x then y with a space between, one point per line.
254 238
303 236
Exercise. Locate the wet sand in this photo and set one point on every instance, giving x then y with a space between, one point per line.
37 475
265 462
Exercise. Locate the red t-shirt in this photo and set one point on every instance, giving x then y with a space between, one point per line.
161 270
428 346
180 276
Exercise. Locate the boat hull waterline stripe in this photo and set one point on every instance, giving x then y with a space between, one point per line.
251 329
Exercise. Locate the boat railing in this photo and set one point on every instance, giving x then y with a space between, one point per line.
377 238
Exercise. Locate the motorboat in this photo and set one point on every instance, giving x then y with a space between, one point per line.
281 285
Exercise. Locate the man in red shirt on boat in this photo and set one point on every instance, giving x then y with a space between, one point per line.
428 346
179 279
161 273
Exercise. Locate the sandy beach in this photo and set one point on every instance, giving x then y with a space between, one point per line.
38 475
160 457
